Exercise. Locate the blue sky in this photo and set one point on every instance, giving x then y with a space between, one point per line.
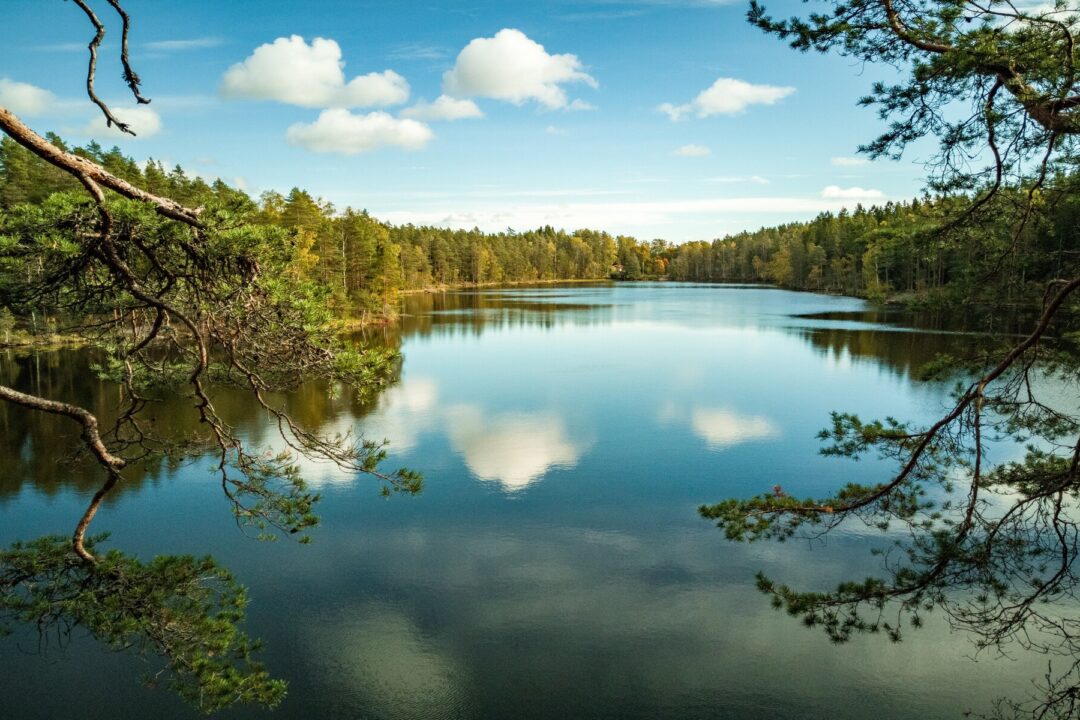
656 118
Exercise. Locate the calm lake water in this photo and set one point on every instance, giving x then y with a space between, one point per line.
555 565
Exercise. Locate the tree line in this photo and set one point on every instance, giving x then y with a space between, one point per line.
359 262
895 250
913 250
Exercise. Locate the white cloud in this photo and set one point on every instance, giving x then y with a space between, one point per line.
835 192
341 132
405 412
511 449
23 98
144 122
514 449
755 179
419 51
621 216
554 130
727 96
580 105
849 161
722 429
375 89
444 108
187 44
1037 10
692 151
291 71
514 68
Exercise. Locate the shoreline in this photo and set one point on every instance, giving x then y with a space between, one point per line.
509 283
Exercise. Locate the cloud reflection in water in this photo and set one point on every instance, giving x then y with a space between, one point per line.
512 449
405 412
380 653
721 428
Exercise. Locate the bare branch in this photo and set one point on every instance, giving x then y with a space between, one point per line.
91 71
83 168
130 77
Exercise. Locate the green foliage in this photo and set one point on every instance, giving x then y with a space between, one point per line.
7 324
185 612
775 516
991 545
233 302
850 436
899 251
356 265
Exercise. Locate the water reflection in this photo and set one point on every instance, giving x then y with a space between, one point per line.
723 428
474 312
43 448
554 565
38 447
973 319
719 427
901 340
404 413
903 353
573 622
513 449
381 654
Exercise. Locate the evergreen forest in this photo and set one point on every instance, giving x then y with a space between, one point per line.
897 251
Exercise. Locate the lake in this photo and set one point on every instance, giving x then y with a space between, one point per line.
555 565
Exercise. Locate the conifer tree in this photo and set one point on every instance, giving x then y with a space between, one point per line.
991 546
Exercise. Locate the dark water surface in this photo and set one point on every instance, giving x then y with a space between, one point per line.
555 565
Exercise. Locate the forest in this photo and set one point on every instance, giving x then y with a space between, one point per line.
898 251
894 252
567 447
358 262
